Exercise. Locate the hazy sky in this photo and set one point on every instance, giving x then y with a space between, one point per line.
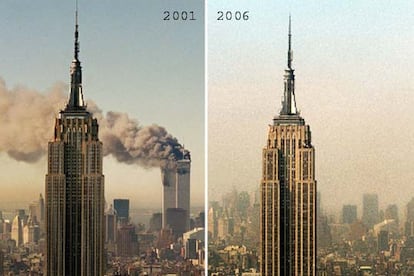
354 64
132 61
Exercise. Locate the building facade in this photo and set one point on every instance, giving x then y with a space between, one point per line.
288 191
176 186
349 213
75 188
409 219
121 207
127 241
17 230
110 225
177 221
391 212
370 213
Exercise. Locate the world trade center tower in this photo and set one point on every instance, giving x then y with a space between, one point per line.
75 188
288 191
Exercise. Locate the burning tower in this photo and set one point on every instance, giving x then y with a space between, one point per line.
176 186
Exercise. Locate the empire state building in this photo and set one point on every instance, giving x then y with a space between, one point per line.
288 191
75 188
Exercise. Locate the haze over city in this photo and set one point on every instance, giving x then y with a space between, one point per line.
354 87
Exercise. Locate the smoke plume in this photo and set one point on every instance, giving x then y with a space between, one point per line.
27 120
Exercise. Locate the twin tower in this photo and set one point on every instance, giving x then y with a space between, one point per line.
75 188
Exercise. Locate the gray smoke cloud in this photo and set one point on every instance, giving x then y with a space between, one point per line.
27 120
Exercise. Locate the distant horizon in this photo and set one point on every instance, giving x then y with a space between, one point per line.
336 211
19 205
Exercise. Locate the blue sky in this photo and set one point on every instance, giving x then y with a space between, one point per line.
132 61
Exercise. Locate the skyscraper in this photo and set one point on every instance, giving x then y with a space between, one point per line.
121 207
177 221
349 214
183 185
176 186
127 240
409 215
391 212
17 230
288 190
41 212
110 225
1 262
370 214
75 187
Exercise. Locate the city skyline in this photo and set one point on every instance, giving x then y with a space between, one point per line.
126 68
25 42
146 86
354 85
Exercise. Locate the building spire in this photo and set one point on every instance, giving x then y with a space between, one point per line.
290 46
76 96
76 33
289 102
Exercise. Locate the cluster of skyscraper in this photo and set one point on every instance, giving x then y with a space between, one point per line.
77 226
24 228
22 239
75 223
120 233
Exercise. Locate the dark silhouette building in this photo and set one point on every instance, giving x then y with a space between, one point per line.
121 207
110 225
176 221
370 213
127 241
391 212
155 224
409 223
349 214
